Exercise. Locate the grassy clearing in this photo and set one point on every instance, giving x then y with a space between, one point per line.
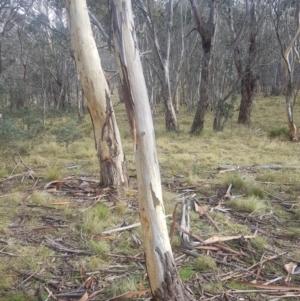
267 204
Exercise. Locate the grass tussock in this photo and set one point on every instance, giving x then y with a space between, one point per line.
205 263
95 219
259 243
53 173
39 198
238 184
99 247
186 272
251 205
281 133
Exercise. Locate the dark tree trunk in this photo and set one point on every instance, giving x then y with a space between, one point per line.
206 30
248 83
248 80
202 105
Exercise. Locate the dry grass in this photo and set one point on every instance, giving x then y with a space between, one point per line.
192 161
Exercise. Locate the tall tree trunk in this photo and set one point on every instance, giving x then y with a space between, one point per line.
206 30
285 53
248 80
289 78
171 119
221 111
198 122
164 279
79 98
163 58
113 169
248 85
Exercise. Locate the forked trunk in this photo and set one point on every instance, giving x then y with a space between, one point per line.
206 30
107 138
163 276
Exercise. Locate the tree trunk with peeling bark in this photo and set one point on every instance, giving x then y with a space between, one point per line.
163 276
113 169
206 30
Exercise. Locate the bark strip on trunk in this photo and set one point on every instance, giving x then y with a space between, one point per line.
163 276
113 169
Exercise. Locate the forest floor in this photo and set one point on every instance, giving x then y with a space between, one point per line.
61 235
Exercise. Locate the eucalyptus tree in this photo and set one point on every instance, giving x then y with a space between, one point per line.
246 68
163 276
162 53
225 80
206 31
291 13
9 16
240 49
13 58
112 162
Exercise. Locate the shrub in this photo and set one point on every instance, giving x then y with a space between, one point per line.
67 133
282 133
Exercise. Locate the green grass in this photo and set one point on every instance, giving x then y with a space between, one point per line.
205 263
237 182
184 161
95 219
258 243
53 173
186 272
248 205
281 133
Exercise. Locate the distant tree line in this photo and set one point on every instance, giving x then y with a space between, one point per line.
196 55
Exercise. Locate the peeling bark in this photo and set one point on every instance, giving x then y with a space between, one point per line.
164 279
112 162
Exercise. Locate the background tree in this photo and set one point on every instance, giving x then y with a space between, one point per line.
288 61
163 57
245 68
113 169
38 70
207 31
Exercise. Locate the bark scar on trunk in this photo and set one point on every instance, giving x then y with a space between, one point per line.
156 200
171 288
129 102
109 112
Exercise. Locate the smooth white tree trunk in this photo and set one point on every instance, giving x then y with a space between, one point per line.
113 169
164 280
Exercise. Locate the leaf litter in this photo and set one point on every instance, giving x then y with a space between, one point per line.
243 271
